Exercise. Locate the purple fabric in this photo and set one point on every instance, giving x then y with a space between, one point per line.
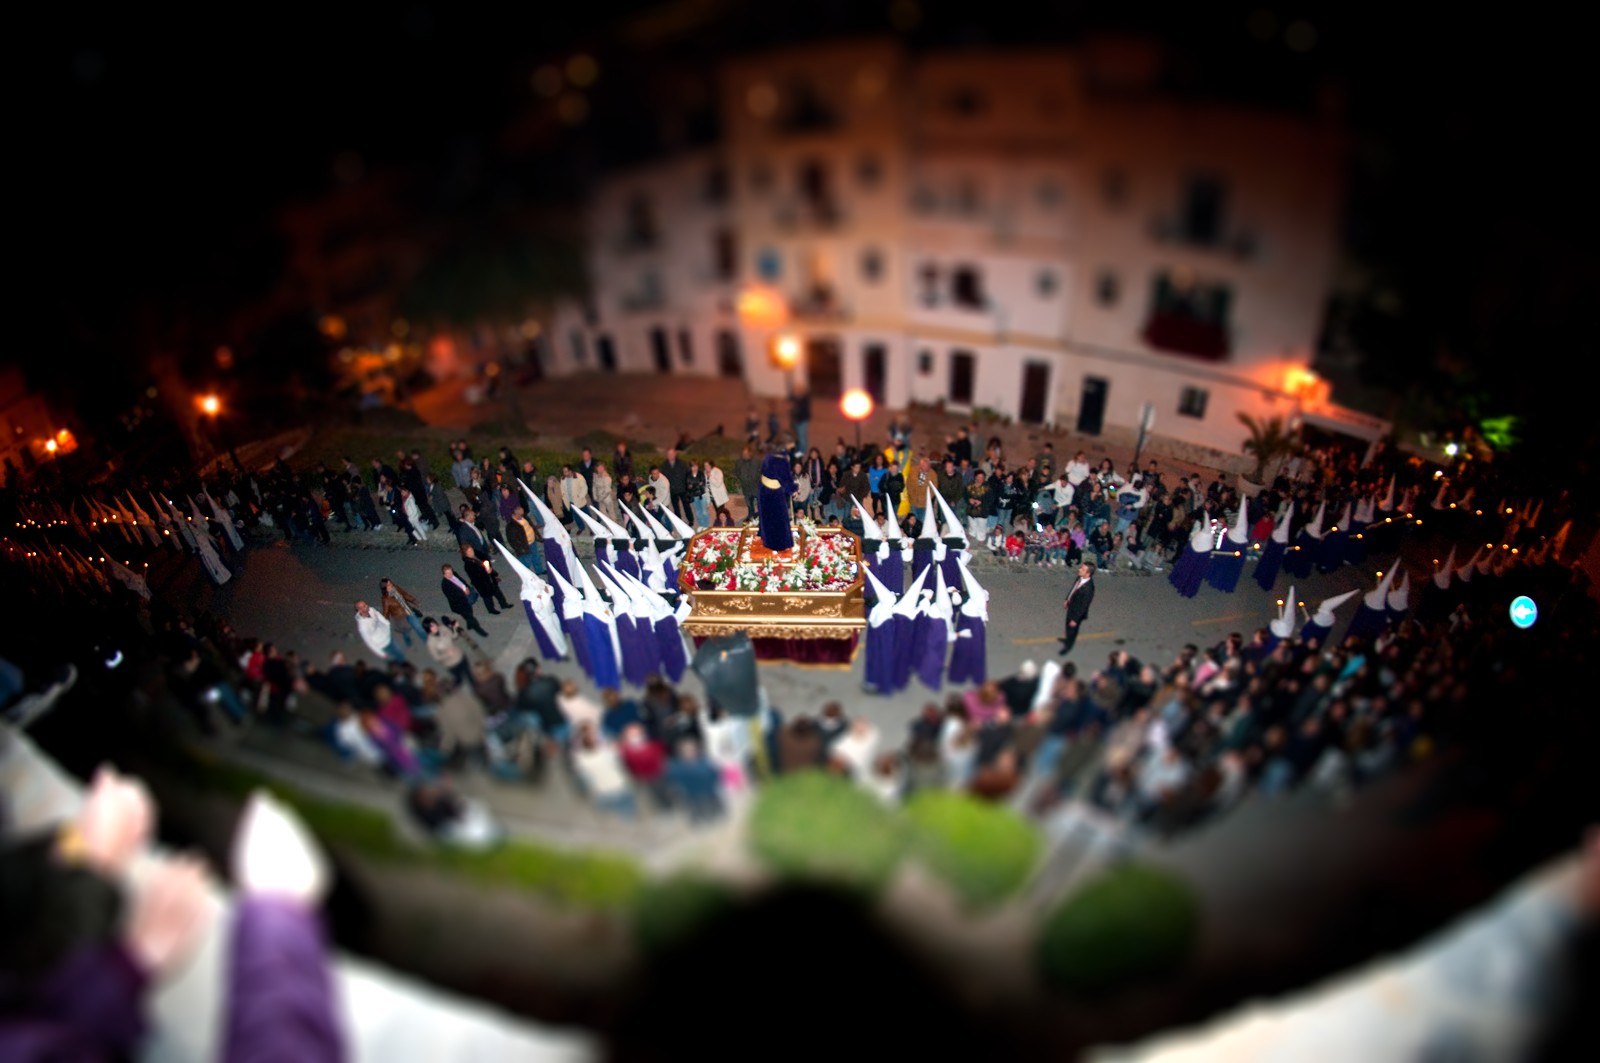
1225 569
387 737
1367 623
640 656
891 572
806 651
602 552
578 636
546 647
950 568
1298 562
669 646
929 652
1190 571
607 670
1355 545
772 510
280 994
902 635
969 657
89 1007
1271 561
628 562
556 557
880 657
1331 553
921 559
1313 630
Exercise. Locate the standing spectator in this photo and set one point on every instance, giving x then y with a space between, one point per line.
747 470
461 598
400 606
676 474
376 633
484 579
717 493
445 648
800 418
695 487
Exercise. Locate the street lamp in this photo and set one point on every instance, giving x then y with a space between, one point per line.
856 405
210 405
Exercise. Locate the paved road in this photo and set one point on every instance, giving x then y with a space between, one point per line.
302 597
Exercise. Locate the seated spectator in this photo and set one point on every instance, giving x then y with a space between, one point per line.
490 686
996 541
599 769
578 710
800 745
646 762
833 724
1015 545
728 747
983 703
854 750
620 714
462 726
888 778
447 817
392 708
695 781
996 780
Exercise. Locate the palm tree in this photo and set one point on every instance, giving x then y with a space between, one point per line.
1269 441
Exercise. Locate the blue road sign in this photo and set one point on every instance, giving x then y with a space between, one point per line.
1523 611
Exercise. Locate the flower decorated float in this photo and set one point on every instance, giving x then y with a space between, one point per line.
803 605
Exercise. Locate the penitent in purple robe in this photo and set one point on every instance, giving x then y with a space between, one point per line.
1190 571
280 991
546 647
1266 573
1298 562
1227 565
931 642
669 646
969 655
627 562
639 653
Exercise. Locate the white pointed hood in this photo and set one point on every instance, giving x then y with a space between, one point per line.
941 605
869 527
1377 596
1365 510
911 600
883 600
594 526
1343 523
1387 505
1400 597
661 534
551 524
952 522
1438 498
683 530
1325 608
977 600
1200 540
531 583
891 525
1465 572
1283 625
1486 562
1280 531
1441 578
1240 534
1314 529
930 519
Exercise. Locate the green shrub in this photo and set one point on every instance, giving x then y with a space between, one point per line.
1131 924
816 826
671 911
984 852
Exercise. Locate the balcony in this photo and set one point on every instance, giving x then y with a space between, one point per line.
811 216
818 303
1187 334
1241 244
638 240
642 302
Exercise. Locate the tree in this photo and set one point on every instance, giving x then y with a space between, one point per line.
1269 441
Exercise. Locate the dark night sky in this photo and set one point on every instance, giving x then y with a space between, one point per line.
159 143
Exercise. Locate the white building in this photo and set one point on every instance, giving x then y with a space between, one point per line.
1035 233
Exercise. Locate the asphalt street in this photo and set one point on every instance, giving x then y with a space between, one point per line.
302 597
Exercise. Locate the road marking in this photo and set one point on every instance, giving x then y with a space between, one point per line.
1220 619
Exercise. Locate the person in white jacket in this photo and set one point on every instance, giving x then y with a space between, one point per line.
376 633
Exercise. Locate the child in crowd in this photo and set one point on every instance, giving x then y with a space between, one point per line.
996 541
1015 544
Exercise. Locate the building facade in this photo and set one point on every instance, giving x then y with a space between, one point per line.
1038 234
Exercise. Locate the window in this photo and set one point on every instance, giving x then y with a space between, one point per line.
807 111
869 171
925 363
725 254
717 189
685 347
966 288
1192 402
961 373
1204 200
929 275
580 347
872 265
1046 283
924 201
1188 316
1049 194
1106 288
1114 187
769 264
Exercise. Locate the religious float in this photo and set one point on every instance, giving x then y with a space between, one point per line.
803 605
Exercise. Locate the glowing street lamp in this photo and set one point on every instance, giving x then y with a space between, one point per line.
786 351
210 405
856 405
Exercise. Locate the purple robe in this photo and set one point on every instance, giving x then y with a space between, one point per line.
546 647
602 552
929 652
605 669
950 567
902 636
556 557
880 663
90 1006
1315 631
1271 561
1355 544
669 646
969 655
639 653
280 991
1367 623
772 503
578 636
921 558
1190 571
1298 562
1331 552
1225 569
627 562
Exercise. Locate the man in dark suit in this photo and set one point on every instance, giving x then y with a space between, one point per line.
1079 598
460 596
